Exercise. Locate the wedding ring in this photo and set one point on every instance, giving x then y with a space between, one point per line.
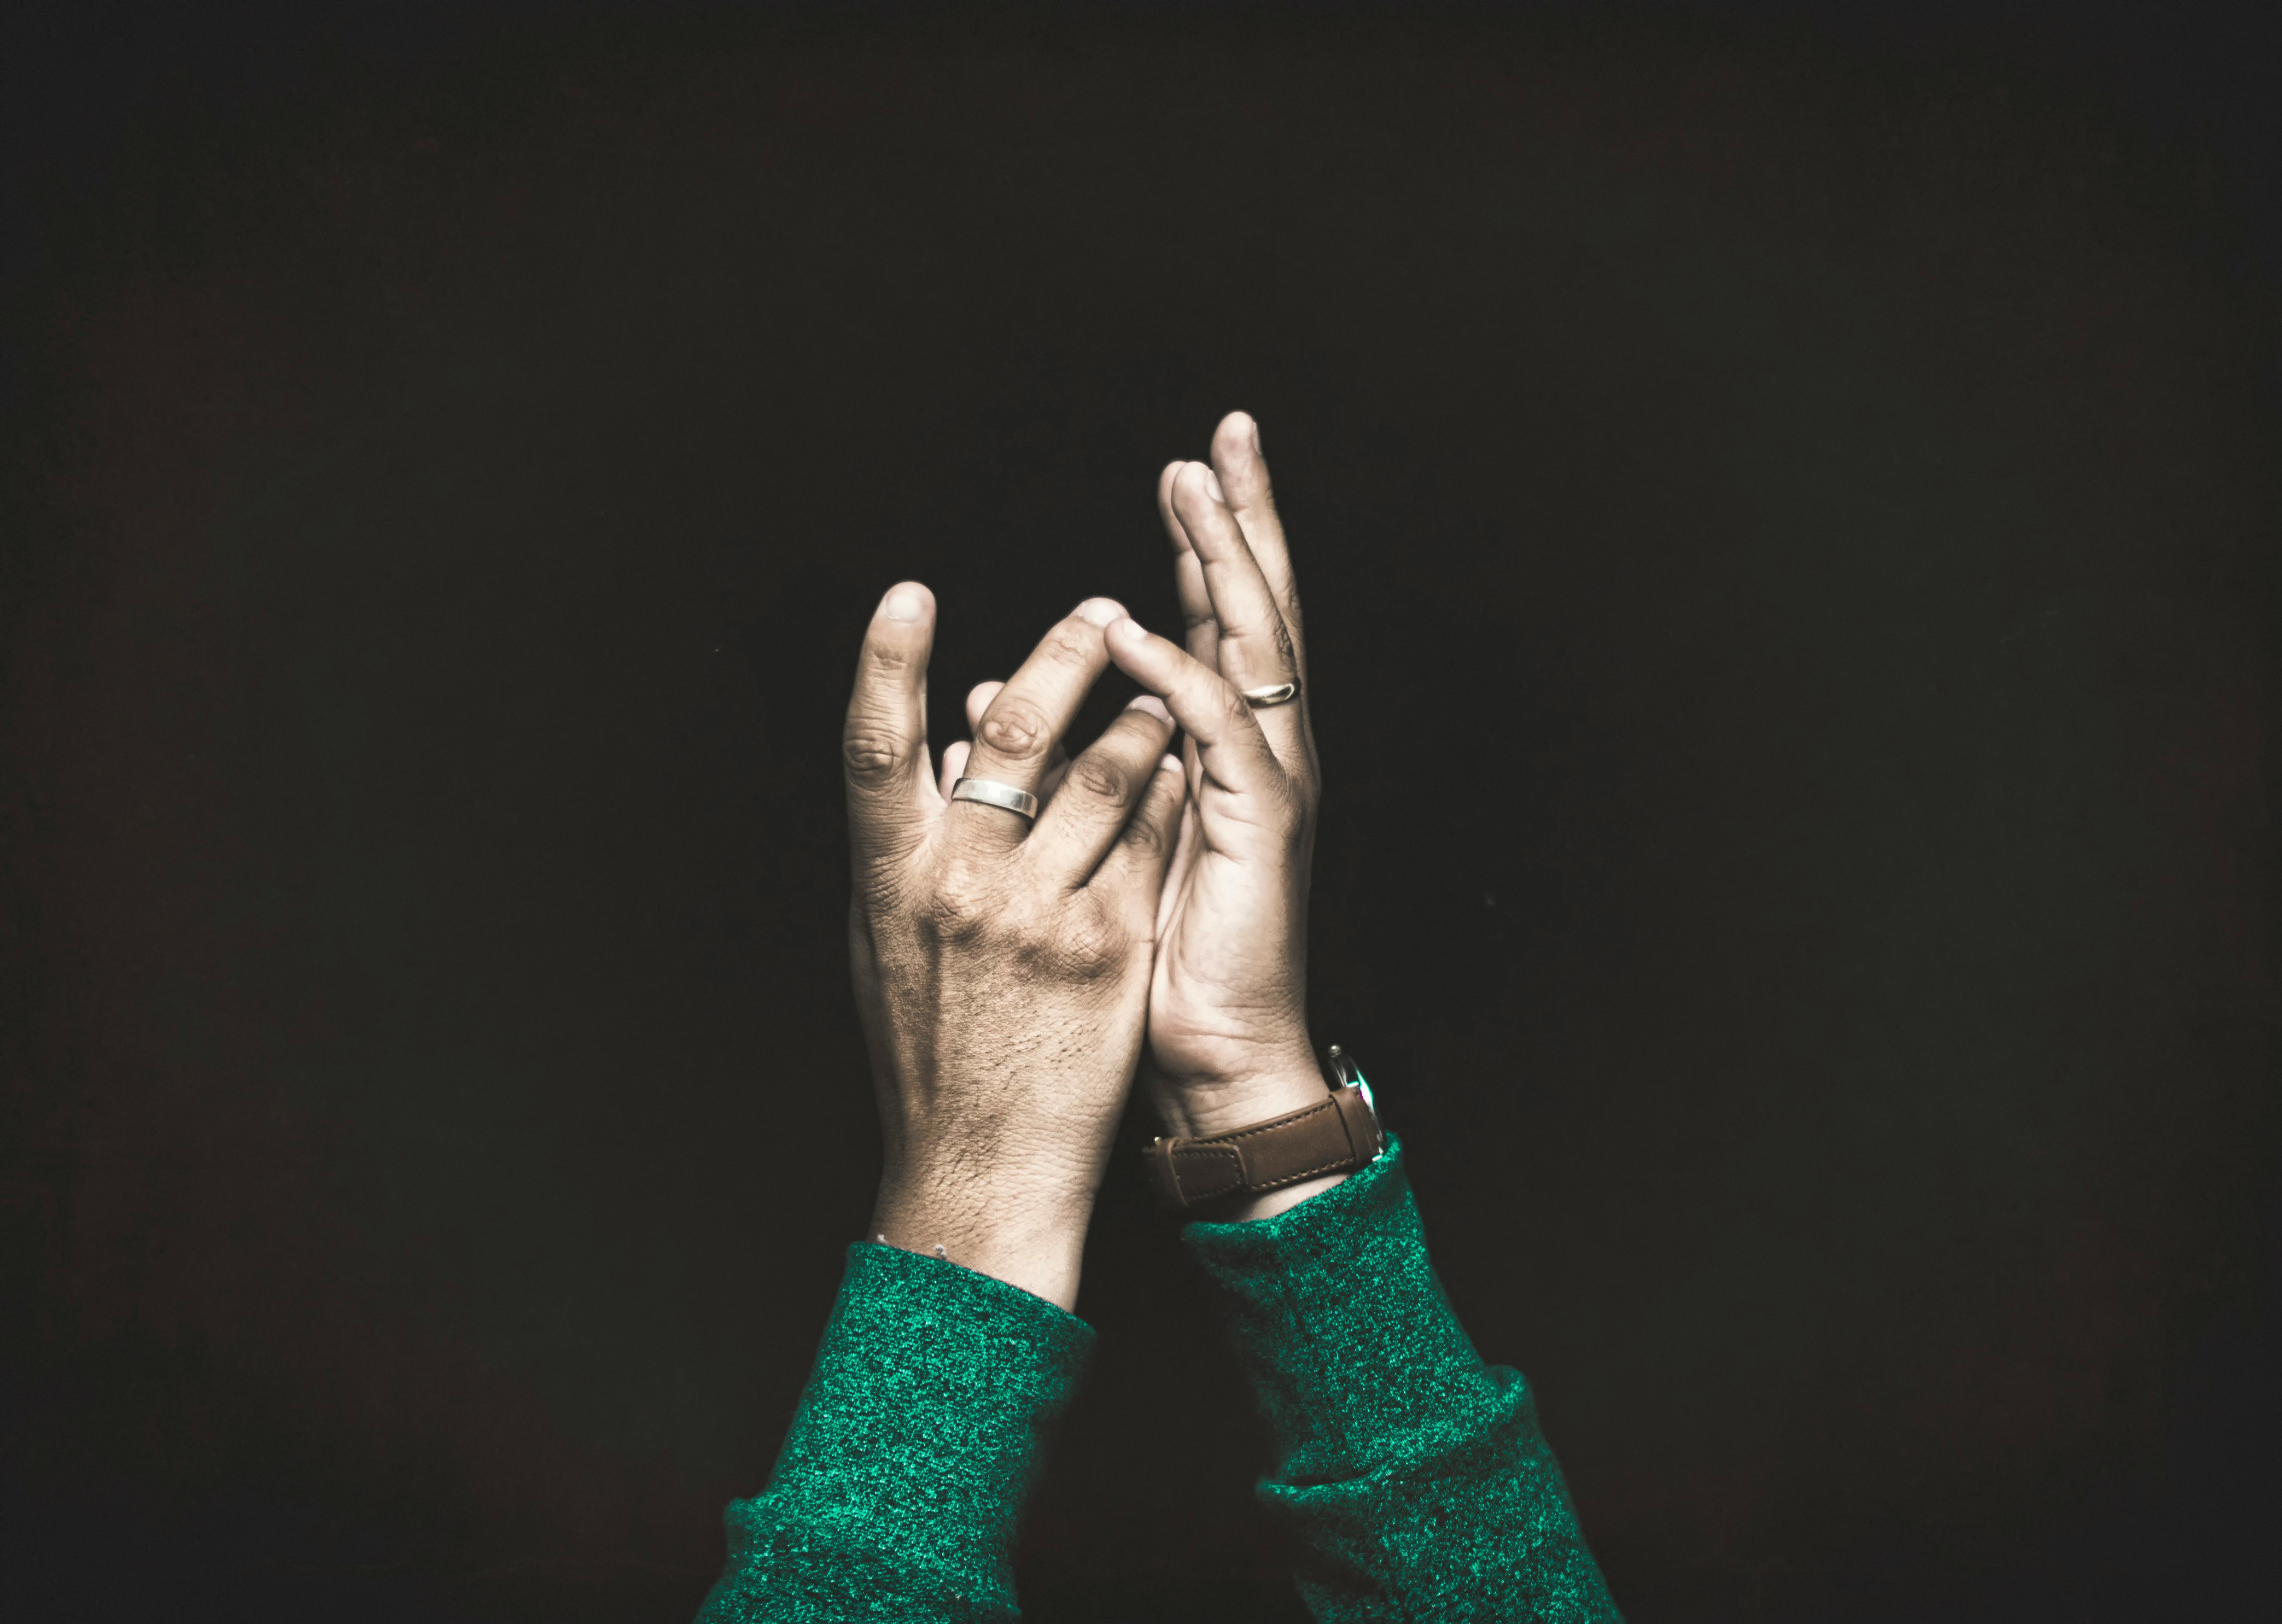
1282 694
991 792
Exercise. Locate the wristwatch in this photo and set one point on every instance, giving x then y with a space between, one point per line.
1338 1135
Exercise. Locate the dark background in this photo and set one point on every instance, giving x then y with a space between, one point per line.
1786 503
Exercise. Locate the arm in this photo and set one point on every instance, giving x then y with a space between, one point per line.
1413 1477
903 1473
1001 968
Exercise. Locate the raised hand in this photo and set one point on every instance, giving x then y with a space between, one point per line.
1001 967
1227 1006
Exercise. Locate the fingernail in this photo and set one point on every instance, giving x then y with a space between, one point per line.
1127 627
1101 612
903 603
1170 764
1150 703
1255 437
1212 484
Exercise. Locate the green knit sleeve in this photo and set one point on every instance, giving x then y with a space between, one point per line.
898 1489
1413 1477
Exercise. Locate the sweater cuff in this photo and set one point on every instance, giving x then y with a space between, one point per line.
920 1430
1342 1324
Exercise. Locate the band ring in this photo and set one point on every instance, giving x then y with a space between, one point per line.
991 792
1282 694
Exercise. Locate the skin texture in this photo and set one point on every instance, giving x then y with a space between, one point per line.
1227 1039
1008 972
1228 998
1001 968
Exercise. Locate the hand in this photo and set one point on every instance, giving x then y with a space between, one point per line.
1002 968
1228 999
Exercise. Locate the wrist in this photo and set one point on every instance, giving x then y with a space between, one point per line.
1030 1234
1195 1107
1199 1107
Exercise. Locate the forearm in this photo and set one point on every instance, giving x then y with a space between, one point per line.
898 1489
1000 949
1029 1232
1415 1479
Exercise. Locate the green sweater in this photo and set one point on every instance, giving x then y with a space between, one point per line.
1412 1477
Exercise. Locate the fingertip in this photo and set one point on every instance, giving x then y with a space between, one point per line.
978 701
1236 455
1101 612
1238 432
1151 704
1168 485
906 600
1172 763
1203 481
1126 631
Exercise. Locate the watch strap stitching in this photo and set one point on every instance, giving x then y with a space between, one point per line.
1224 1160
1212 1155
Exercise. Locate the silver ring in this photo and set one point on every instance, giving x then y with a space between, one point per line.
1282 694
991 792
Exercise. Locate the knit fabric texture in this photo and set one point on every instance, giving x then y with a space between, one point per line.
1413 1478
897 1493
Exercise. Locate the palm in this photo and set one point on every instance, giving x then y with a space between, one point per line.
1228 994
1225 998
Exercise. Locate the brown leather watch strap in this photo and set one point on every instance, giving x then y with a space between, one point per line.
1335 1137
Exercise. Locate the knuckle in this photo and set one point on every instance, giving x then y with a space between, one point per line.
1016 728
887 656
1099 777
1265 639
1145 836
1071 642
955 911
872 752
1093 943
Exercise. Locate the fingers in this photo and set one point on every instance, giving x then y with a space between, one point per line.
1242 474
1233 757
1015 737
1135 867
1099 792
1256 649
978 702
1201 630
883 744
954 766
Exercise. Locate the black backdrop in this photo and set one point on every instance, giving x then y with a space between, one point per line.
1786 516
